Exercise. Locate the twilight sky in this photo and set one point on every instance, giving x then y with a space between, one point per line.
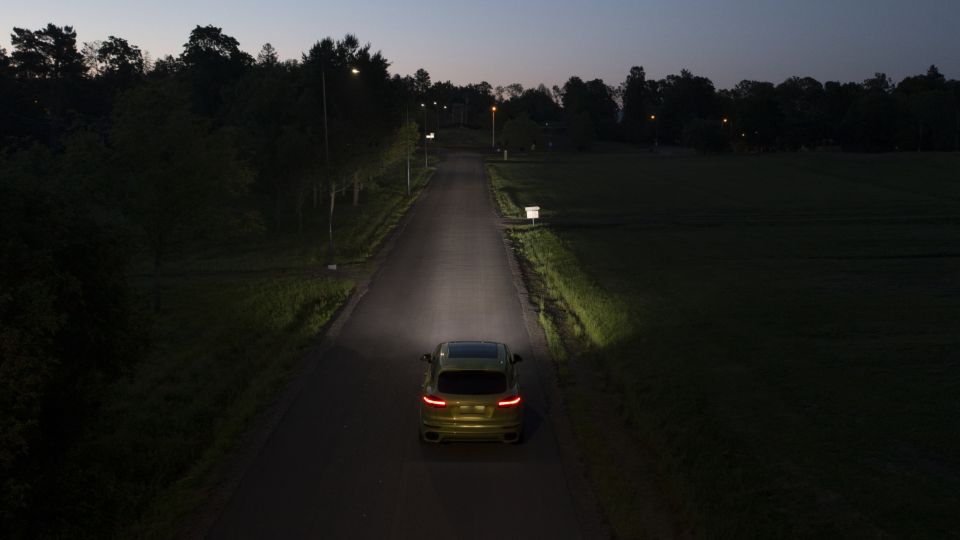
547 41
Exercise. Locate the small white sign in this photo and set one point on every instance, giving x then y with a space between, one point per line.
533 212
430 135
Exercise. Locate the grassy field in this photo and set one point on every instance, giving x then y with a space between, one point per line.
237 319
780 332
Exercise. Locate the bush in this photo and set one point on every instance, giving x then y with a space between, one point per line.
68 325
705 135
521 133
581 130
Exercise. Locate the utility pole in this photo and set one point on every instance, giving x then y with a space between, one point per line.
406 117
425 162
493 127
331 262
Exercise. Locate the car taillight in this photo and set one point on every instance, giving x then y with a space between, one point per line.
509 402
434 401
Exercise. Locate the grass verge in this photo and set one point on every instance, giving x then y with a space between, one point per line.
774 329
237 319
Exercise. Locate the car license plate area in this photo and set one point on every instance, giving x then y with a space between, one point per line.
472 409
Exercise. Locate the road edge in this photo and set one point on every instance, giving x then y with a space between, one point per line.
197 525
589 517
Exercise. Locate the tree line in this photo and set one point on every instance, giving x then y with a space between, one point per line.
108 157
920 113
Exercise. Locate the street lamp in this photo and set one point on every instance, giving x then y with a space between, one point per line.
656 130
493 127
424 107
331 263
437 108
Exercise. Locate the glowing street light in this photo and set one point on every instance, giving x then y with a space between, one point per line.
656 130
331 263
424 107
493 127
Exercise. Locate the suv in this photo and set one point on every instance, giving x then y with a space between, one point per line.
471 391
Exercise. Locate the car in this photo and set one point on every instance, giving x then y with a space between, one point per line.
471 392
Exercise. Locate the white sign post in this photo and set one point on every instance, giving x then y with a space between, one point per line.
533 212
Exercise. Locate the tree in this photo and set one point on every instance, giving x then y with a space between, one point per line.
801 106
637 105
682 98
521 133
213 60
119 59
180 176
535 103
582 133
421 84
208 46
92 67
878 84
705 135
268 56
758 116
873 122
68 325
930 102
50 52
4 63
594 98
166 66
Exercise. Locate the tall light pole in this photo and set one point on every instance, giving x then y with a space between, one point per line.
406 121
331 263
656 131
424 107
493 126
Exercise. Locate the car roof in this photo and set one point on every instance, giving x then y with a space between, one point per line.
473 355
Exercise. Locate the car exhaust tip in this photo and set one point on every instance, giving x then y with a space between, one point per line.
431 436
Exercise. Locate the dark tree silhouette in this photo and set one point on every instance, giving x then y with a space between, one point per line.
50 52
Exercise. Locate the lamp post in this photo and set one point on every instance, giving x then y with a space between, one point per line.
331 263
493 127
406 147
656 131
424 107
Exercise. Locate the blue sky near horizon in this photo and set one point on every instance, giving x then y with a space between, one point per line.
549 40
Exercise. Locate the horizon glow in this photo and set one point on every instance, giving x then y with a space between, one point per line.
547 42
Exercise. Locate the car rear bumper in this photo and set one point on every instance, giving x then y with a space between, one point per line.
441 431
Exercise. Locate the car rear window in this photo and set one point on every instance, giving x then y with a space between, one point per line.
472 382
472 350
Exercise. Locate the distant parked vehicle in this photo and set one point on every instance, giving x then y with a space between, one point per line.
471 391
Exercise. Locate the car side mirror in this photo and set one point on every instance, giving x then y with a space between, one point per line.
425 358
517 358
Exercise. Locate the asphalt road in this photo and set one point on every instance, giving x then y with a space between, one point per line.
345 461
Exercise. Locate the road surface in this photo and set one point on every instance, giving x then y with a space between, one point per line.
344 461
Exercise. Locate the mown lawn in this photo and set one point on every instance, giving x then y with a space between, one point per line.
237 318
781 329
